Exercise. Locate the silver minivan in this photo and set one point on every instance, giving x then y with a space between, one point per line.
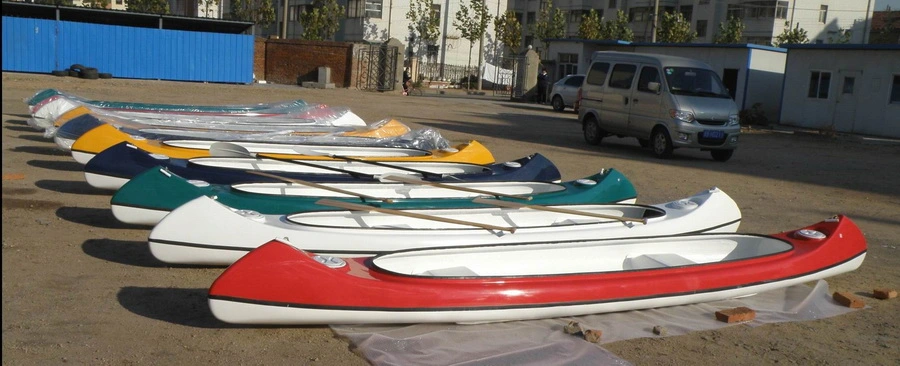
666 102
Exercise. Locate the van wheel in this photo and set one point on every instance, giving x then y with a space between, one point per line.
558 104
593 134
662 143
721 155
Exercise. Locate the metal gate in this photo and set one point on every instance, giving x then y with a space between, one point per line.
377 68
509 79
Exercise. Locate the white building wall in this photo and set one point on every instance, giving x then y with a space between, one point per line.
868 110
453 50
841 14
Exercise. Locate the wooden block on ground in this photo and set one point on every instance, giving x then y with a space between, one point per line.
734 315
13 176
847 299
592 335
884 293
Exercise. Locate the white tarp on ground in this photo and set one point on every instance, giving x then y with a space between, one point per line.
496 74
544 342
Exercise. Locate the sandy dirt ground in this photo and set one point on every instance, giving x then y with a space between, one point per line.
81 288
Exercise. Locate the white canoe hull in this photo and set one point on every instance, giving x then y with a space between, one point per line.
208 233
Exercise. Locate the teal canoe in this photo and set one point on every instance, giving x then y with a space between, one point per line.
149 196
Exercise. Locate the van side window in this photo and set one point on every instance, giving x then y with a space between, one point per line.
648 74
622 76
597 74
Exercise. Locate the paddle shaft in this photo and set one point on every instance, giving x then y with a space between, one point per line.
320 186
218 148
508 204
358 207
412 180
364 161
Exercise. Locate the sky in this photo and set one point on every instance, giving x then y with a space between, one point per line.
880 4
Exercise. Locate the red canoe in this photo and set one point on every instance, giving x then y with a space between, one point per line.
279 284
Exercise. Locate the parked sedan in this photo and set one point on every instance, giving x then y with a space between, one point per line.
565 91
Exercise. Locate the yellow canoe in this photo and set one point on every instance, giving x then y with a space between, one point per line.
105 136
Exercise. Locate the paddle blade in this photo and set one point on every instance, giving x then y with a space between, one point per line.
227 149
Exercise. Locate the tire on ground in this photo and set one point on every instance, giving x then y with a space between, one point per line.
60 72
105 75
89 73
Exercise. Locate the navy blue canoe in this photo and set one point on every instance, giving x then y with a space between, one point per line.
113 167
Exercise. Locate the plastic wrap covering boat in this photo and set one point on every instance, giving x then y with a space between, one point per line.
281 284
182 236
387 132
148 197
114 166
105 136
47 105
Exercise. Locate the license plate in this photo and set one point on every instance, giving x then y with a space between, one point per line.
713 134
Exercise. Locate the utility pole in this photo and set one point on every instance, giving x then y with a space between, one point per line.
284 19
655 21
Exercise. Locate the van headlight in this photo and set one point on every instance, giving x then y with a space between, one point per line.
683 116
734 120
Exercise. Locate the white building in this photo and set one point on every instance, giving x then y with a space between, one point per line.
843 88
823 20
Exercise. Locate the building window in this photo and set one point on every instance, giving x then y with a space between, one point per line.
529 18
622 76
640 14
437 10
819 82
823 13
529 41
568 64
781 10
373 8
701 28
687 11
575 16
848 85
356 9
704 2
735 11
611 4
895 90
119 2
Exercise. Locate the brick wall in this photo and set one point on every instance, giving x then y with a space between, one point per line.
259 58
290 61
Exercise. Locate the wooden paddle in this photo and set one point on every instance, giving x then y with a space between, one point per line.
320 186
508 204
311 152
222 148
414 180
358 207
228 149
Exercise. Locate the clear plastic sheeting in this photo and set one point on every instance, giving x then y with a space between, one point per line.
48 105
544 342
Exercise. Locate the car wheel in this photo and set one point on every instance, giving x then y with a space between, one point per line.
558 104
721 155
593 134
662 143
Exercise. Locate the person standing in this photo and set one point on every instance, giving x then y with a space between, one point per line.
407 81
542 81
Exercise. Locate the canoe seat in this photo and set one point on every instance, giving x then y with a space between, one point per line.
460 271
658 260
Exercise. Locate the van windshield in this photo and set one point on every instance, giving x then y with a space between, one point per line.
693 81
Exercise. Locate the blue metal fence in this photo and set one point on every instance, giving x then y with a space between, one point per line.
40 45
